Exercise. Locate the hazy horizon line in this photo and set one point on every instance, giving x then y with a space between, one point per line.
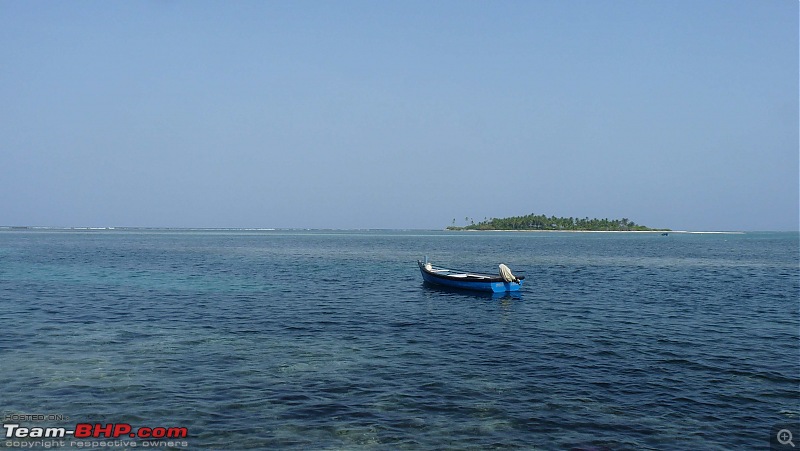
269 229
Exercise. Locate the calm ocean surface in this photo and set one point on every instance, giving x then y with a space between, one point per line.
330 340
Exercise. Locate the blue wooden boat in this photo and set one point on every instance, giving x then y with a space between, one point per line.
468 280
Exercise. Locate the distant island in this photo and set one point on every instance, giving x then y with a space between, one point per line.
542 222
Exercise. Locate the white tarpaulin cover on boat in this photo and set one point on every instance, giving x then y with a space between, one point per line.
505 272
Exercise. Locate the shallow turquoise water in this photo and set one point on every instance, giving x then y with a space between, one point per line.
329 340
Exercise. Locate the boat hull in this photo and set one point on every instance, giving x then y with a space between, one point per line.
492 284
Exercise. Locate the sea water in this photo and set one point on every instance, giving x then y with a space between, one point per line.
329 340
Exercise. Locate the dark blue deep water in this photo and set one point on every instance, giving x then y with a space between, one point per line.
329 340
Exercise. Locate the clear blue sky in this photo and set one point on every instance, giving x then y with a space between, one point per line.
401 114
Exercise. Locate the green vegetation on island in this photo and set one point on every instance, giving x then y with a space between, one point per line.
542 222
